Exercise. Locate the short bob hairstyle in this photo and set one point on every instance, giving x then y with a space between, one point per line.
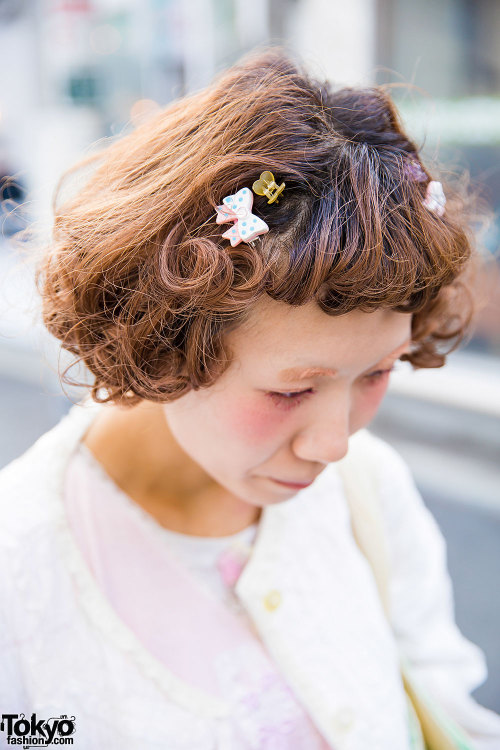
139 284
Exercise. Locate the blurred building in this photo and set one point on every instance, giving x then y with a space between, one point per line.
444 59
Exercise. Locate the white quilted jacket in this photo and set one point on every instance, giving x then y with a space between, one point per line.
307 588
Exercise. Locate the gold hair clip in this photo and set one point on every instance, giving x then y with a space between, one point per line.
267 186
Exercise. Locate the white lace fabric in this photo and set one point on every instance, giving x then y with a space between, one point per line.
116 536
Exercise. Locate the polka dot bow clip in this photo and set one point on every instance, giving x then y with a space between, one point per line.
237 208
435 199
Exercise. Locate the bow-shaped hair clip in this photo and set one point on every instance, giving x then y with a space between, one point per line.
435 199
238 209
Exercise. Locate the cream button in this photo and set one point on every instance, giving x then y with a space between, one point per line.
272 600
343 719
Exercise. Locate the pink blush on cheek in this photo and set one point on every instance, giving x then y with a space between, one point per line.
252 422
373 399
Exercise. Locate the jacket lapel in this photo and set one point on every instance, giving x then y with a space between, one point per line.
314 601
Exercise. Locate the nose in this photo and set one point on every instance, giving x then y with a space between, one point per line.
324 439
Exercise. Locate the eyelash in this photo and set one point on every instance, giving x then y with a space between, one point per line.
294 398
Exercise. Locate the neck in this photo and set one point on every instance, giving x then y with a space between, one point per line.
137 450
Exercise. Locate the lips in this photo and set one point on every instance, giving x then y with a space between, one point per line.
293 485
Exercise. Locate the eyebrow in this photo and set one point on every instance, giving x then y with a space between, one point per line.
297 373
293 374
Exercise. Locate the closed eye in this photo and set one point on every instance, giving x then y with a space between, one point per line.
291 394
377 374
287 399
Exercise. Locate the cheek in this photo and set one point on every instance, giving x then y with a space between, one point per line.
252 420
370 399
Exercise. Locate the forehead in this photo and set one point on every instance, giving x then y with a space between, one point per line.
277 335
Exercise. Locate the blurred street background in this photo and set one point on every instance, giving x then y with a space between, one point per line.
77 71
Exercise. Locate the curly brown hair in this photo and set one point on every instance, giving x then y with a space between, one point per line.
139 284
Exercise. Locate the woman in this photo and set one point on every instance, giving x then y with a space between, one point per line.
240 275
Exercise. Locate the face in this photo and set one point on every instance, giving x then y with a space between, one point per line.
300 383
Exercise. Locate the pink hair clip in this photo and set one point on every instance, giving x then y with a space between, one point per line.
435 199
237 208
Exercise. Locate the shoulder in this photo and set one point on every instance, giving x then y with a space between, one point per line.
376 470
373 473
415 545
367 447
388 472
23 485
31 486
